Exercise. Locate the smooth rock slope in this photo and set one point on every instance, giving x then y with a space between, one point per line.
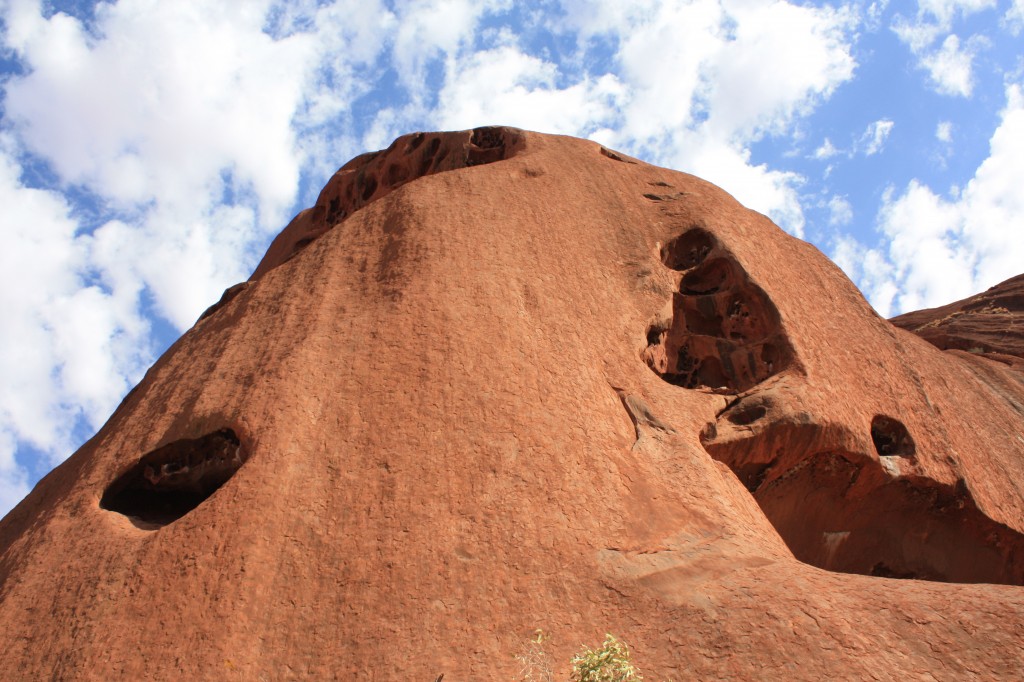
495 381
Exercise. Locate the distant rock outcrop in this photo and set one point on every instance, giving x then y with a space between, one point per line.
989 324
496 381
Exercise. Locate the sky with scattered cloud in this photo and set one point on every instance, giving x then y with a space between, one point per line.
150 150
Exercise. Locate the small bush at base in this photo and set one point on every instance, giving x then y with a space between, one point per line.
609 663
535 660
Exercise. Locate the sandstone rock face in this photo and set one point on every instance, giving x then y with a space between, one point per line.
990 324
497 381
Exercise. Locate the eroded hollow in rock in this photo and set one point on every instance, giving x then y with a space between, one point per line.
746 414
716 275
171 481
688 250
847 512
725 333
840 512
891 437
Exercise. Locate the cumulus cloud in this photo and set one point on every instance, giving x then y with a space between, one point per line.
840 211
950 68
504 85
123 111
873 14
940 248
1014 17
72 343
429 28
944 11
944 131
934 18
950 64
697 94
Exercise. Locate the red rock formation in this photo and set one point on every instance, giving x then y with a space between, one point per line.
563 390
990 324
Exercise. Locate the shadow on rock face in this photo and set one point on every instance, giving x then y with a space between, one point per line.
371 176
841 508
842 512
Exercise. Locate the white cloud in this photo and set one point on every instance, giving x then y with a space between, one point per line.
933 18
1014 17
942 249
136 118
504 85
72 346
428 28
705 62
950 67
944 131
840 211
809 55
826 151
875 136
150 126
873 14
698 88
944 11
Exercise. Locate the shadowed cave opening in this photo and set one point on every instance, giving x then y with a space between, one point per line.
171 481
688 250
891 437
845 512
725 333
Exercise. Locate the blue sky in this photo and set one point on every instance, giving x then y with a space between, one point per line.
149 151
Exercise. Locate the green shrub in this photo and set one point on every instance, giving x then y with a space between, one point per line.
610 663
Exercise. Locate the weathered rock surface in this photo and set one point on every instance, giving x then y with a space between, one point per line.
989 324
563 390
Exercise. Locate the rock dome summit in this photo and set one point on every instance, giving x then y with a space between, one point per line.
495 381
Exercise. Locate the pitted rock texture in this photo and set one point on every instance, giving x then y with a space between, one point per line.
563 390
724 332
989 324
